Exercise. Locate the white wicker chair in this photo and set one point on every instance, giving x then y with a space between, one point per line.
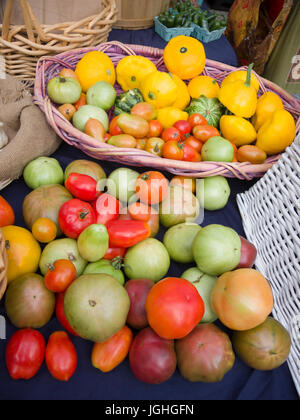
270 212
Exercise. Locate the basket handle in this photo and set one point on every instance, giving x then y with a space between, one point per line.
6 19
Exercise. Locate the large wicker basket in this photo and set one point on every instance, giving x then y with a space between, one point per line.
3 265
49 67
22 46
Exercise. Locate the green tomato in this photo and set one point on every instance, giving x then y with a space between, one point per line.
93 242
214 193
85 167
179 241
106 267
102 95
64 90
217 249
204 284
121 183
81 117
147 259
43 171
217 149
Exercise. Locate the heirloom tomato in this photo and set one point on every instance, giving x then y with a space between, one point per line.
7 215
151 187
75 216
173 150
60 313
60 275
205 132
197 119
184 128
82 186
171 133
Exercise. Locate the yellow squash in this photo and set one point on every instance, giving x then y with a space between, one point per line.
183 96
238 130
203 85
241 75
23 251
169 115
239 97
185 57
277 133
268 103
132 70
159 89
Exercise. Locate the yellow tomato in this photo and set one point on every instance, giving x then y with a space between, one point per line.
44 230
131 71
159 89
203 85
23 251
183 96
185 57
94 67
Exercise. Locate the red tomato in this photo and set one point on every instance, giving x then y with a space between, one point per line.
7 215
190 154
171 134
82 186
173 150
60 313
74 216
139 211
184 128
114 252
174 308
197 119
151 187
196 144
109 354
155 128
205 132
25 354
60 275
61 356
114 129
107 208
126 233
81 101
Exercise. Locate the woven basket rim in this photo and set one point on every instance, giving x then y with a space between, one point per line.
140 157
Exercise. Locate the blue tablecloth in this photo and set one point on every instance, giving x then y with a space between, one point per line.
241 383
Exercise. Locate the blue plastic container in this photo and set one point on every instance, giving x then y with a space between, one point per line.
169 33
205 36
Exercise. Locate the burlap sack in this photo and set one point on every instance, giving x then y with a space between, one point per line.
26 127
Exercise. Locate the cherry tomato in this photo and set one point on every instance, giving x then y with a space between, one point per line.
173 150
154 146
184 128
107 208
126 233
190 154
60 275
61 357
151 187
108 355
114 129
166 300
155 128
74 216
196 144
25 354
171 133
141 144
197 119
114 252
60 313
81 101
7 215
184 182
44 230
139 211
205 132
82 186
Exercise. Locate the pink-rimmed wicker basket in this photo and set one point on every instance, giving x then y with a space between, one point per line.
49 67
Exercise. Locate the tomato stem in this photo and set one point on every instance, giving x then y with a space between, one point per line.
83 214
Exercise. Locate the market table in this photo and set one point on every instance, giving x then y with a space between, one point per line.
241 383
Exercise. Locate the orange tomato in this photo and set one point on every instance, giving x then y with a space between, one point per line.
114 129
173 150
68 73
139 211
7 215
184 182
60 275
197 119
67 110
155 128
95 129
205 132
81 101
252 154
108 355
44 230
242 299
196 144
141 144
235 151
151 187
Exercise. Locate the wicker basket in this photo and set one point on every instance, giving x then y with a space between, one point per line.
22 46
49 67
270 212
3 265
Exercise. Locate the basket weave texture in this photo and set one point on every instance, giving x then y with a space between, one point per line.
22 46
49 67
270 212
3 265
